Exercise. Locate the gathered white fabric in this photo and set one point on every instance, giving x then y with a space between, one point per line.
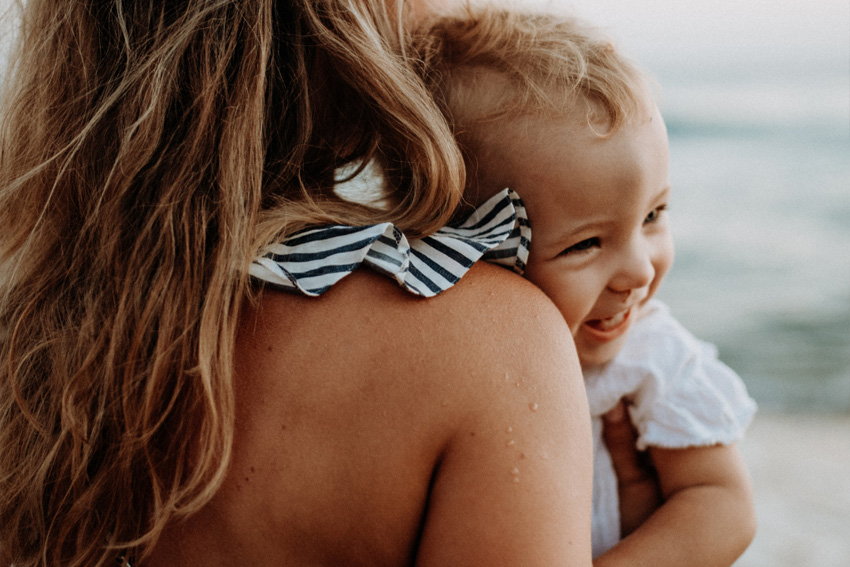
680 396
313 260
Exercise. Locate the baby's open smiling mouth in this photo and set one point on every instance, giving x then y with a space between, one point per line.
609 328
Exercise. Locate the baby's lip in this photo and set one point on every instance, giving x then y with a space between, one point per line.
609 328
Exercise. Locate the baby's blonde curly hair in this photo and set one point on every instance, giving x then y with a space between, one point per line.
489 66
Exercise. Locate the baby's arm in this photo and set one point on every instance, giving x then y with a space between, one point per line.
707 519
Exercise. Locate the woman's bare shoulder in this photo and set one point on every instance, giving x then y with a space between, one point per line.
490 308
491 347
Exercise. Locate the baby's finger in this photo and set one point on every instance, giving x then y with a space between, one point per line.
620 438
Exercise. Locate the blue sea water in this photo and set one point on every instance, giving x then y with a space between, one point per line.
760 165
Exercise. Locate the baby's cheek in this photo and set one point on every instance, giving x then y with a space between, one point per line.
668 253
662 262
573 316
569 294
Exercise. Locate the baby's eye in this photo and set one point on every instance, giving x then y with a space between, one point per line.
586 244
654 215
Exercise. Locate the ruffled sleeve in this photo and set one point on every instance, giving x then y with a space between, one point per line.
313 260
681 394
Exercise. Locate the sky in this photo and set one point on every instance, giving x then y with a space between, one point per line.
751 29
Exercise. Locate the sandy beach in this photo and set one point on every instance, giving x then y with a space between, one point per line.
800 466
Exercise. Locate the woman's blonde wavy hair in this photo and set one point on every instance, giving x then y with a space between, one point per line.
149 149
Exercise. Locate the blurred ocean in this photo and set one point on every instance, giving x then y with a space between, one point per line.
760 165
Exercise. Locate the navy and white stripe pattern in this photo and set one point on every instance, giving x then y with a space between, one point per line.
313 260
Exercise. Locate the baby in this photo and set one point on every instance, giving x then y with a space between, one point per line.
543 105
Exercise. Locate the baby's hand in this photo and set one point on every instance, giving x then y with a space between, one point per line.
640 493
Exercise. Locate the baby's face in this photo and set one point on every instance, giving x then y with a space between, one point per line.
601 240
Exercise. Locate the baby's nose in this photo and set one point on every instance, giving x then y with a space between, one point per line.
636 270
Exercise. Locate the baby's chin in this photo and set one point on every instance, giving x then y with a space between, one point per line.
591 353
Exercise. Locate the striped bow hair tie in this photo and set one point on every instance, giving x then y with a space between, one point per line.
312 260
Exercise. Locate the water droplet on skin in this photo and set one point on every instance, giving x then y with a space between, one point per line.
533 406
516 479
507 376
515 471
516 384
509 429
510 443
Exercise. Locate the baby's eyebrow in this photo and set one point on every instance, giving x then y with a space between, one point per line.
570 233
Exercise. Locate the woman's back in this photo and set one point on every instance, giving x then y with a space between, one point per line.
378 428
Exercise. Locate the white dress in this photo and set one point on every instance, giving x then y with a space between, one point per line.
681 396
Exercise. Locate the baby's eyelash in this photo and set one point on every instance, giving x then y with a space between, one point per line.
654 215
582 246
